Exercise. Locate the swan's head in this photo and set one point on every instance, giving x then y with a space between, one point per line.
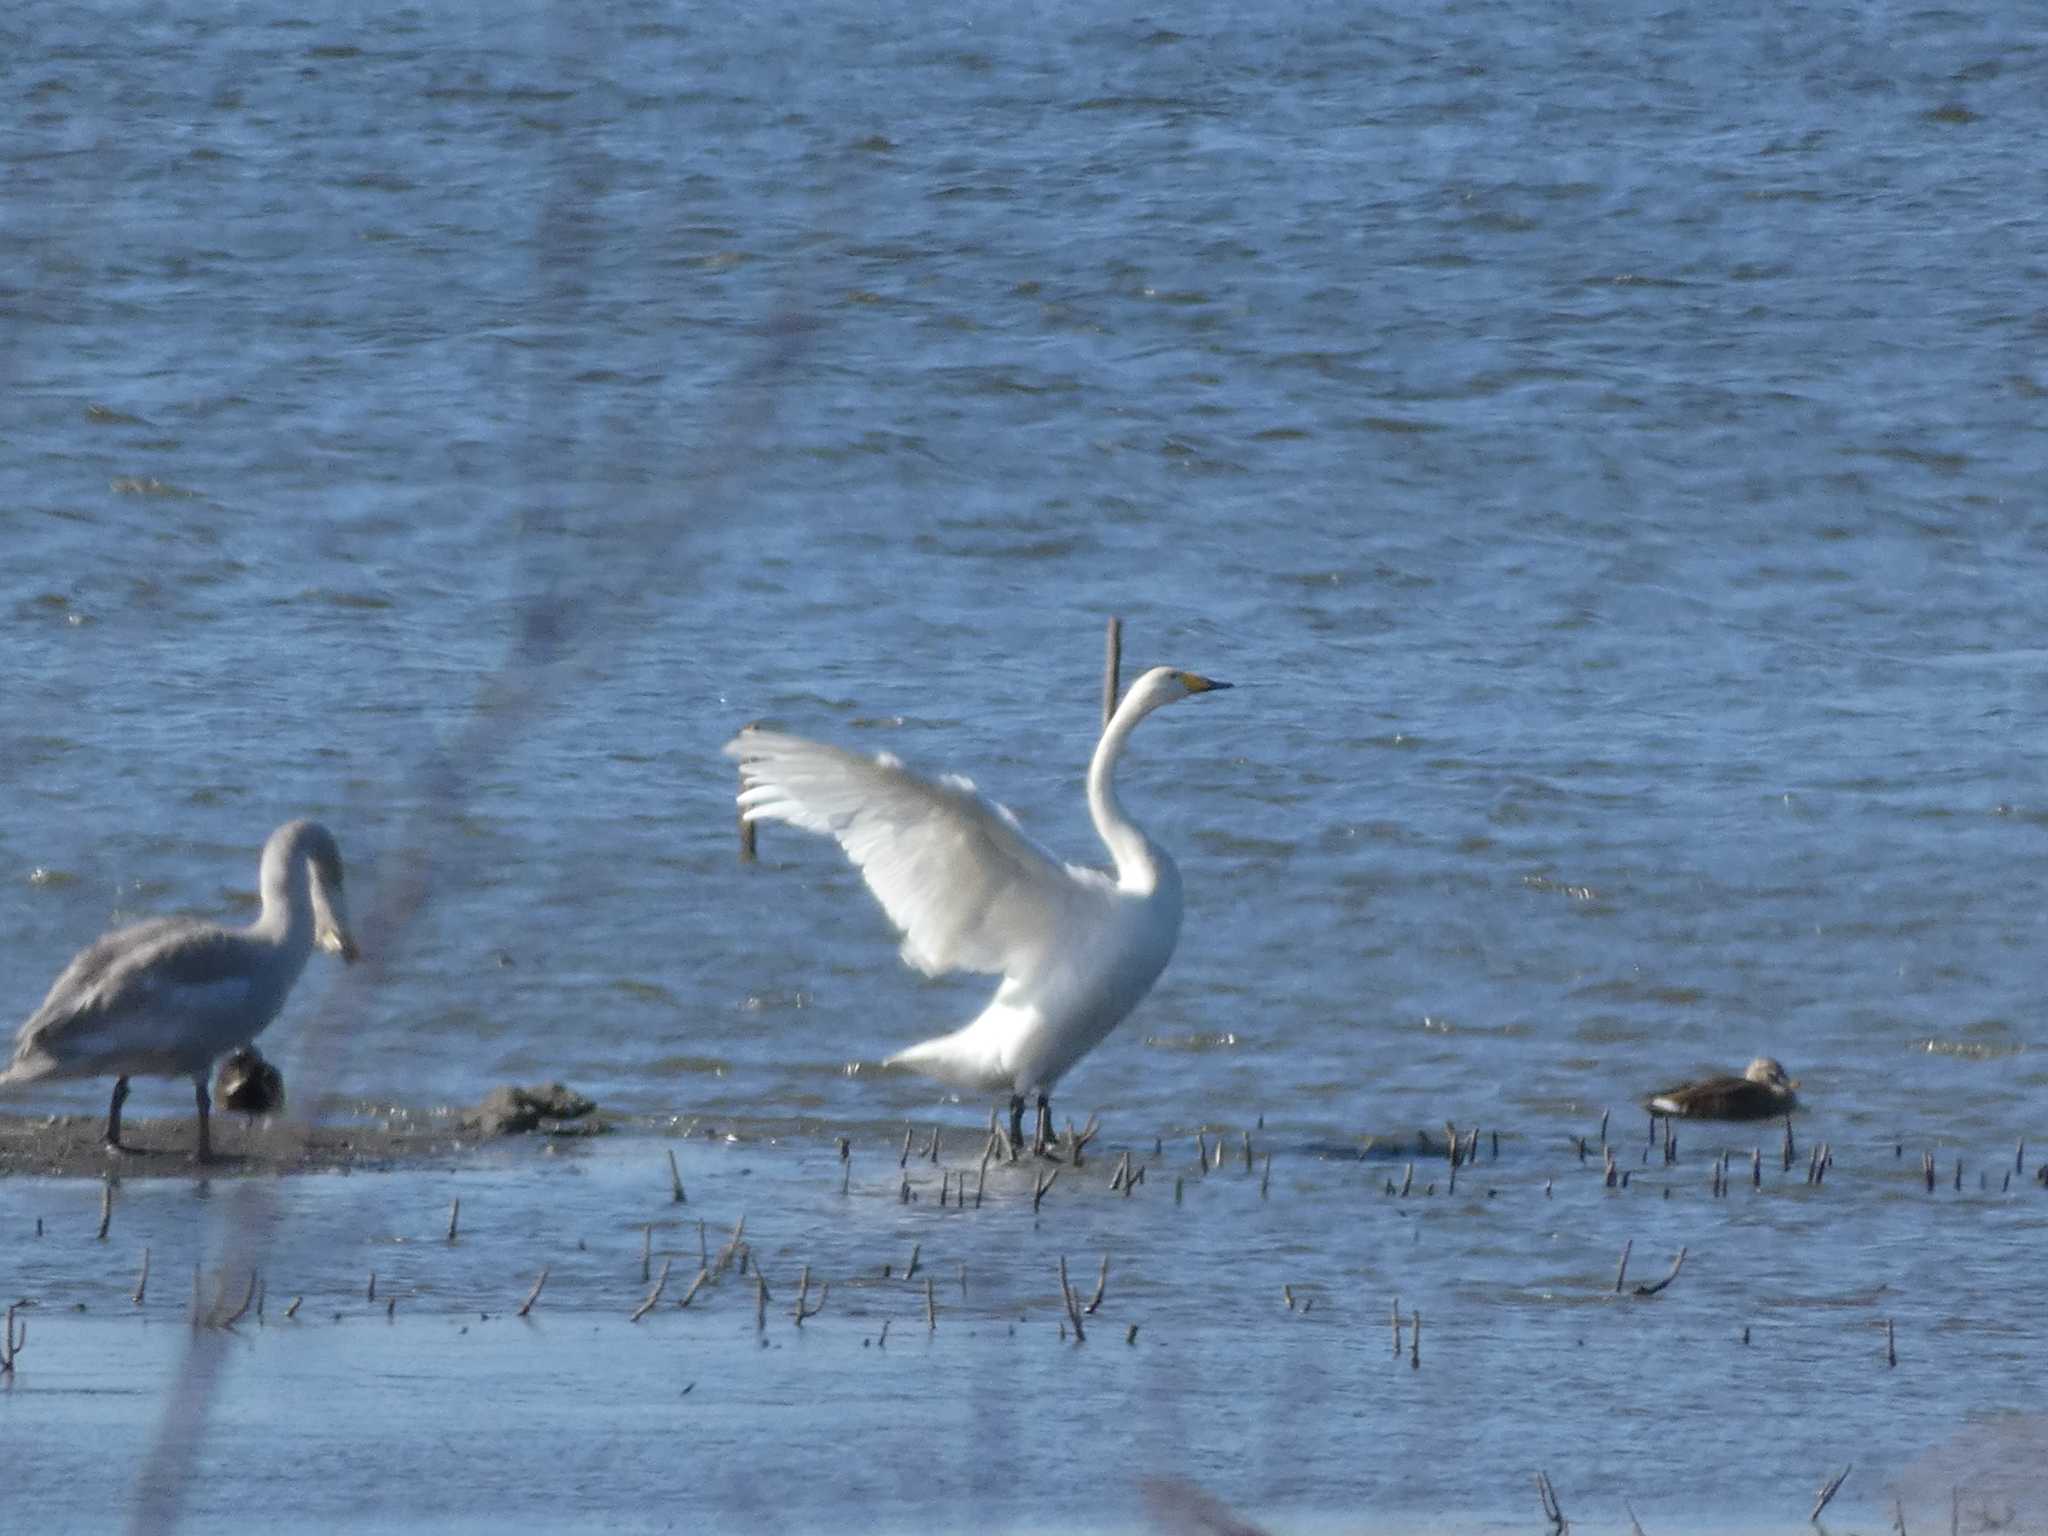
308 845
1766 1070
1166 685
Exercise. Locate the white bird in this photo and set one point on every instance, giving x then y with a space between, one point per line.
165 997
970 891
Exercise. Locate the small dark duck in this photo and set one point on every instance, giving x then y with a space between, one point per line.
248 1083
1763 1092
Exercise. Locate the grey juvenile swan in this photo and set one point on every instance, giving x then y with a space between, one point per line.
166 997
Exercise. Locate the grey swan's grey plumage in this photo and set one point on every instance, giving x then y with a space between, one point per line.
1763 1092
165 998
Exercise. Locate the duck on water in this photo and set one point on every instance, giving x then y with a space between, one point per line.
1763 1092
166 998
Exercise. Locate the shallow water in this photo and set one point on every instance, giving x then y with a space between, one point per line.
405 1393
1607 460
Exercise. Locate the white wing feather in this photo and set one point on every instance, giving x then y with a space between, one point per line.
957 876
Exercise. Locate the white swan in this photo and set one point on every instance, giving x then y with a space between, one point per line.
164 998
970 891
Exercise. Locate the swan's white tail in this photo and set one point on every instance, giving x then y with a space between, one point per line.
967 1059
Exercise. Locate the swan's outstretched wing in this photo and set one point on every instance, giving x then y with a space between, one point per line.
957 876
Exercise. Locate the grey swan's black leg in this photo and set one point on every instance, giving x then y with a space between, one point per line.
1044 1138
1016 1122
205 1101
113 1135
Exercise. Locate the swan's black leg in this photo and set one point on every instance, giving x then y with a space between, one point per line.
1045 1136
113 1137
205 1107
1016 1122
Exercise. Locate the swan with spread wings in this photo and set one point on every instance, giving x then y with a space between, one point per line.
1076 948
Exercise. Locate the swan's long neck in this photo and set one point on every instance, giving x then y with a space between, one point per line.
287 917
1141 864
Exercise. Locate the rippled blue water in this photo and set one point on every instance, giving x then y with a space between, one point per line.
1606 452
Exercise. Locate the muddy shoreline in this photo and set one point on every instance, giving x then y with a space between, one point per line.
69 1146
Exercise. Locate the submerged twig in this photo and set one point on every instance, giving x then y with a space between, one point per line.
1552 1510
248 1300
11 1338
1073 1307
1828 1490
1676 1265
1101 1284
803 1292
1045 1182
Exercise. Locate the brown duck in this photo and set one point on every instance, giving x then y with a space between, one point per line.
248 1083
1763 1092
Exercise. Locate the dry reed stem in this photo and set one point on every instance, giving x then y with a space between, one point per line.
454 1217
654 1295
695 1285
141 1280
525 1306
731 1248
675 1177
1101 1284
